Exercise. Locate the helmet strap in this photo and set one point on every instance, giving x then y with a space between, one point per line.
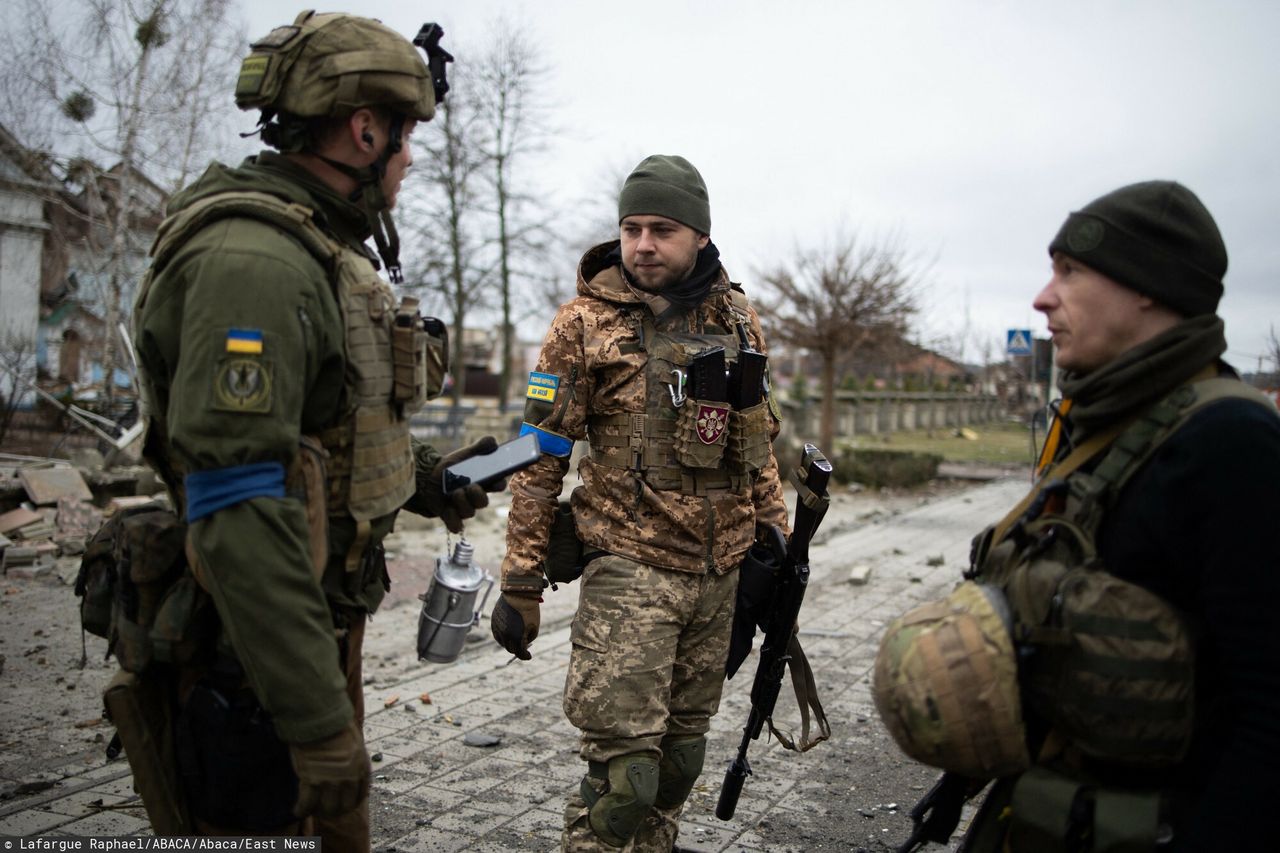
369 195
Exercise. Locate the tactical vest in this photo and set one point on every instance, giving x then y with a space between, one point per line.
680 443
393 363
1107 663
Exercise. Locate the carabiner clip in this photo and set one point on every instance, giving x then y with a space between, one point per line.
677 390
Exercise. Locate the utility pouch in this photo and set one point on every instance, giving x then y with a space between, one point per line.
1055 813
96 581
141 709
1124 686
437 355
235 769
702 433
747 450
564 562
409 356
307 482
150 551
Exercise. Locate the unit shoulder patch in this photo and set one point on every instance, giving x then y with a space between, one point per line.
242 385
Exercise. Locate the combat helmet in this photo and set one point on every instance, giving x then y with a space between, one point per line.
946 685
330 65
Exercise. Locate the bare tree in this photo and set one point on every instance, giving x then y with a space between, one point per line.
510 90
138 83
443 204
834 301
17 372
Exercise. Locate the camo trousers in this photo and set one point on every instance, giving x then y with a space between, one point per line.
649 649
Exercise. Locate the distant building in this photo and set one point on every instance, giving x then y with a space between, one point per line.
58 261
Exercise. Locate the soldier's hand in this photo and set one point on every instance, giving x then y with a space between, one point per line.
333 773
515 621
453 508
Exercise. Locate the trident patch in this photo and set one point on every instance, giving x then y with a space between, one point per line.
711 422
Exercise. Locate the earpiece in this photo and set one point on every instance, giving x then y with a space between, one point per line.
368 138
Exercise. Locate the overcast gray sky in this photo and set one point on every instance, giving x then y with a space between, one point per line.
968 128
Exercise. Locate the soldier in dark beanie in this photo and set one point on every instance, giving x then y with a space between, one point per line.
662 519
1141 570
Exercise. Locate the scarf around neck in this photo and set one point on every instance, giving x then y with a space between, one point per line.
1142 375
683 296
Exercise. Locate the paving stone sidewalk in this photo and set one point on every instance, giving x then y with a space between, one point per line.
435 792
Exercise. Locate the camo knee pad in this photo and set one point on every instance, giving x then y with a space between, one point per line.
632 788
679 769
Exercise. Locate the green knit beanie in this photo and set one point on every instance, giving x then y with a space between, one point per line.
666 185
1154 237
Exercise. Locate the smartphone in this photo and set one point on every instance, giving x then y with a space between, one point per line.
491 467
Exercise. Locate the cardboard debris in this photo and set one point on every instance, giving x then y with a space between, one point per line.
13 519
46 485
128 502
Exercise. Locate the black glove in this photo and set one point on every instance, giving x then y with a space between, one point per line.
515 621
453 508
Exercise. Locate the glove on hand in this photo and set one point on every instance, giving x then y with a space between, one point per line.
333 773
453 508
515 622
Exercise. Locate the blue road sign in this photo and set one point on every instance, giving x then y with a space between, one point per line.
1018 342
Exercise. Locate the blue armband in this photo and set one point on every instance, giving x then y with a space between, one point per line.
219 488
549 442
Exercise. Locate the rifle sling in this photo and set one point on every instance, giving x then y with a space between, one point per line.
806 690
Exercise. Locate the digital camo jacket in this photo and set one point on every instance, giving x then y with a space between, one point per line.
595 368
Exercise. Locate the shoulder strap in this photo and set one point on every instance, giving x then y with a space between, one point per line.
1131 451
296 219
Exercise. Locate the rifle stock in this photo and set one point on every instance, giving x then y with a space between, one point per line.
793 579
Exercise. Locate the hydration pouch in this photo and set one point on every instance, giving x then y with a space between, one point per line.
748 445
141 709
235 769
564 562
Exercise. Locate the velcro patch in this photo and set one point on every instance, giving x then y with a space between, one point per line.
543 386
242 385
252 72
246 341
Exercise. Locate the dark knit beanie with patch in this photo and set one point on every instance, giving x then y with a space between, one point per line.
1154 237
666 185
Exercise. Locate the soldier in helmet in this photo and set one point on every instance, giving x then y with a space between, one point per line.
675 482
1116 670
280 372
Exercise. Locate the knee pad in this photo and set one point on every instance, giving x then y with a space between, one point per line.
679 769
632 787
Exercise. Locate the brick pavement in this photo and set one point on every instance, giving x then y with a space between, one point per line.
433 792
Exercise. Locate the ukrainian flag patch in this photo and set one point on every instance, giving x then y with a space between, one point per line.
244 341
542 386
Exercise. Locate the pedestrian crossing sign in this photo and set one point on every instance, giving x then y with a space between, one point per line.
1018 342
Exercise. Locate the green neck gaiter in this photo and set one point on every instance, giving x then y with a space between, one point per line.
1142 375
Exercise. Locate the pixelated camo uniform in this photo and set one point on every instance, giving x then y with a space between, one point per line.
593 347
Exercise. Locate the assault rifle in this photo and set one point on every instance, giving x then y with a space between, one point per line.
792 579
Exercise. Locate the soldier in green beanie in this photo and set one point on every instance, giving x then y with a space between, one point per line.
1137 574
279 372
673 489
